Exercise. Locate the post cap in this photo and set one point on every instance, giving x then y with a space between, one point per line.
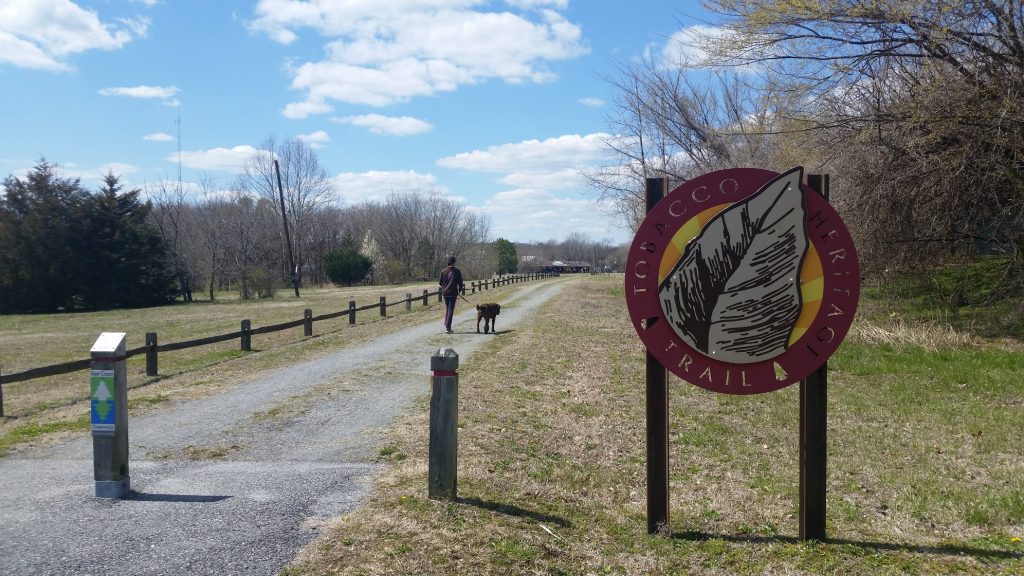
444 359
109 343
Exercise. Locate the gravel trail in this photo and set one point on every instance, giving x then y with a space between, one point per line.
238 482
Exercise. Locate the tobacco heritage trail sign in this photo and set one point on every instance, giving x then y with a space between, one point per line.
742 281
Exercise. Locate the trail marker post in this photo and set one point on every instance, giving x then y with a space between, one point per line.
444 419
108 387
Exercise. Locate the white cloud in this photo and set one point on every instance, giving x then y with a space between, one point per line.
119 169
216 159
536 216
547 197
159 92
560 4
376 185
592 102
551 163
315 140
158 137
386 52
390 125
43 34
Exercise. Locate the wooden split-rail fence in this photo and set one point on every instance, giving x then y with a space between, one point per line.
153 348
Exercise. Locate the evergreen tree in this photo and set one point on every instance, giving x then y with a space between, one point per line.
41 226
508 259
347 265
128 264
64 249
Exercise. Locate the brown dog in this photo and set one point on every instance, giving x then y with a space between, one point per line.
487 312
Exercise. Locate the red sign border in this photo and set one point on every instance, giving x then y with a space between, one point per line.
840 275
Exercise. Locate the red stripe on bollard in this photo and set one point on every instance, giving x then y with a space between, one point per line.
445 373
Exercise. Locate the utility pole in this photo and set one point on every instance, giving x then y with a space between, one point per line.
287 237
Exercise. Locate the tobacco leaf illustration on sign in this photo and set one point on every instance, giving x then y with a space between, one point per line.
735 292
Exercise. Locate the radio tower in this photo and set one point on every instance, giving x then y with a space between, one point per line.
177 122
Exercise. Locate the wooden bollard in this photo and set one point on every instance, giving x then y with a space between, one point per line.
351 312
307 325
425 294
152 367
383 306
408 301
444 419
1 398
246 336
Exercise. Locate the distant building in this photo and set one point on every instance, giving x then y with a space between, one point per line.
568 267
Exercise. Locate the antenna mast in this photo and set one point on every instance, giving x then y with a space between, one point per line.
177 123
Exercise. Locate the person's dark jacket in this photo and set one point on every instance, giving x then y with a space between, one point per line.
451 282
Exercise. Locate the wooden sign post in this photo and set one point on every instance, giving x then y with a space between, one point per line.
657 414
814 430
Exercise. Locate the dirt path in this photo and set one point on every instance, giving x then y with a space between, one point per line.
238 482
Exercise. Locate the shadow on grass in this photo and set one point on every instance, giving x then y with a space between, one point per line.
510 510
186 498
942 550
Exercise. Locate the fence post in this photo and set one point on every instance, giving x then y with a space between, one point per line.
246 336
425 297
108 407
444 418
151 358
307 327
440 296
383 306
1 396
352 312
408 301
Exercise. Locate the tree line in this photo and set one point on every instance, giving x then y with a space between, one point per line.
916 109
66 248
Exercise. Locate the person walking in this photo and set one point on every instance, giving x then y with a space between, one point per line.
451 286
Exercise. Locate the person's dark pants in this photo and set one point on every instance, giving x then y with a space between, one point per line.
449 311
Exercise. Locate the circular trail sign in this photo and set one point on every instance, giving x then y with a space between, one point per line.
742 281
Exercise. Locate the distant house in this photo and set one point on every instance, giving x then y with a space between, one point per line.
568 267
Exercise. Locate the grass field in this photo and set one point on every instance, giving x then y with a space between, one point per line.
926 462
46 409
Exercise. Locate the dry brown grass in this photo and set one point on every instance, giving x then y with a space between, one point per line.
57 404
552 474
899 333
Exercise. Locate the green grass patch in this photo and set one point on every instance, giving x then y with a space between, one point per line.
31 431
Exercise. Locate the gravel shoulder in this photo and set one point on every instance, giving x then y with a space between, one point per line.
237 482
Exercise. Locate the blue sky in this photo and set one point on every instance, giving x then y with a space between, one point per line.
498 104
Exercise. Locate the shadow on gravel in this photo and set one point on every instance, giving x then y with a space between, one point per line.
515 511
945 550
188 498
495 333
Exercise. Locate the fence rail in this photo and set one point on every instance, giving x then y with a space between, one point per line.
152 349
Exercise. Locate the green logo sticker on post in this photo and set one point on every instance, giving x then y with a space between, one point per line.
104 406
